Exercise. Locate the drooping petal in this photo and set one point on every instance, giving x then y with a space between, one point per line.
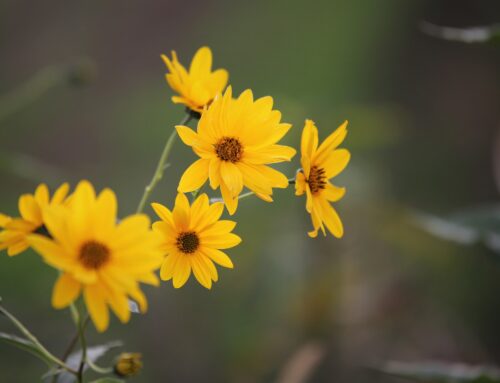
331 219
195 176
168 266
181 272
333 193
96 305
200 272
66 290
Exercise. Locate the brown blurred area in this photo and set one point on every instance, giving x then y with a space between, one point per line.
424 122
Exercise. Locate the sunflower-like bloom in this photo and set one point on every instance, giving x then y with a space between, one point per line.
198 87
98 257
235 140
13 237
319 165
192 239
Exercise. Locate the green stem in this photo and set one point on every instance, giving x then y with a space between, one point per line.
99 369
160 167
291 181
83 344
73 341
35 341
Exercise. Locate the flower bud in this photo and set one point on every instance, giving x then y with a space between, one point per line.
128 364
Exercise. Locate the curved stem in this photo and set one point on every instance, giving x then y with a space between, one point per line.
160 167
98 369
291 181
35 341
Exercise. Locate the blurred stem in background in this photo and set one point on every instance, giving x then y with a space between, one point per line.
162 164
24 95
79 73
32 344
291 181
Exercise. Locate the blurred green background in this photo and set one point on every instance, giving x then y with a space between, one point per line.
424 120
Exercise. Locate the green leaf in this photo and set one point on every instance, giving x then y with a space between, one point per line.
25 345
436 372
108 380
478 225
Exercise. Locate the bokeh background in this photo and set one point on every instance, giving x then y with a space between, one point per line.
91 102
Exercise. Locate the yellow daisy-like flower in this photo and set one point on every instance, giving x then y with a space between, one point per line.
98 257
192 239
198 87
319 165
236 140
13 237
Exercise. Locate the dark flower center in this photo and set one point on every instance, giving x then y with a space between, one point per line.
188 242
93 254
229 149
317 179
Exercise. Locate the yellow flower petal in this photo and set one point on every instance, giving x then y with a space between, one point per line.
331 219
17 248
309 142
218 257
181 213
60 194
42 195
221 241
66 290
336 162
163 213
200 272
29 209
4 219
195 176
331 142
96 305
168 266
181 272
232 178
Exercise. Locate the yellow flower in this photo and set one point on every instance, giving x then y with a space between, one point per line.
192 239
198 87
235 140
13 237
98 257
318 166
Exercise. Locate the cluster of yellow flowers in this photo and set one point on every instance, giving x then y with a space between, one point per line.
105 258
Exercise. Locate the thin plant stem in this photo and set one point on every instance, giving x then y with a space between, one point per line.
160 167
35 341
83 344
291 181
99 369
71 347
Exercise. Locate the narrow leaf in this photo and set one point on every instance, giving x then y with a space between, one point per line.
24 345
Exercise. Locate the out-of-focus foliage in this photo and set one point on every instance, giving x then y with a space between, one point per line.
435 372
